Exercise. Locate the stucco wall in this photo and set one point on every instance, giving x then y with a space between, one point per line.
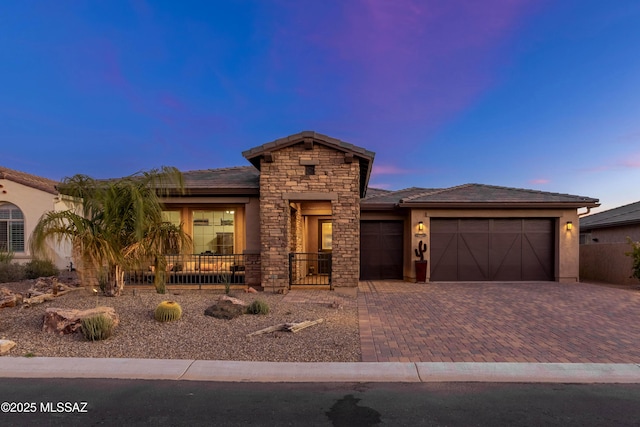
566 248
284 181
34 203
615 234
606 262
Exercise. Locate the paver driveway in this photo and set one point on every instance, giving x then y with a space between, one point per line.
498 322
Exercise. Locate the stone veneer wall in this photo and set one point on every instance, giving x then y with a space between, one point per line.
252 269
284 181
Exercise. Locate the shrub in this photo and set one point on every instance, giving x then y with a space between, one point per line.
635 255
10 272
167 311
97 328
258 307
40 268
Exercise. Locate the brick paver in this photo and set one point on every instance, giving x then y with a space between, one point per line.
498 322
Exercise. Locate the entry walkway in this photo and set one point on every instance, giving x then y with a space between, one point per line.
541 322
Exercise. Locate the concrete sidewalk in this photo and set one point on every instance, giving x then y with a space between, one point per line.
233 371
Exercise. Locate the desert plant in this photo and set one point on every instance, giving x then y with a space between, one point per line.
167 311
114 223
635 255
40 268
96 328
9 271
258 306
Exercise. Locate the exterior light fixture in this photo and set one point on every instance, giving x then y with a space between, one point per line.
421 226
569 225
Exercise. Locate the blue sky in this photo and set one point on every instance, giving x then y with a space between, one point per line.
533 94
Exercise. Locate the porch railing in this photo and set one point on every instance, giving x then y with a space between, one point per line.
310 269
193 269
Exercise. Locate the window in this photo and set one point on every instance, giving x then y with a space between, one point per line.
213 231
11 228
172 217
310 170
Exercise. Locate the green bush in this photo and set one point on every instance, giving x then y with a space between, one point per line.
10 272
40 268
635 255
258 307
97 328
168 311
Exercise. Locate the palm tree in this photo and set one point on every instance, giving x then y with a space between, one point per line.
111 218
161 239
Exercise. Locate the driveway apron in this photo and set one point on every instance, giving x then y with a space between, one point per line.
543 322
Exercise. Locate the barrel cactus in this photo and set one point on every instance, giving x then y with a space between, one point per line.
168 311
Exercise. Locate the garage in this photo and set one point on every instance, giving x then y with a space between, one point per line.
498 249
381 250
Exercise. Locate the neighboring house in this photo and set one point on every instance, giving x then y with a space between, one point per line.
603 243
24 198
303 211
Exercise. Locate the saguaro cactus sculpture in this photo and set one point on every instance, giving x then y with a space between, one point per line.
422 248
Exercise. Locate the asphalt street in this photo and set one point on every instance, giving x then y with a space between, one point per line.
109 402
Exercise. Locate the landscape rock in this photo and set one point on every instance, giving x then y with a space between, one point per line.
68 321
226 308
251 290
6 346
9 298
231 300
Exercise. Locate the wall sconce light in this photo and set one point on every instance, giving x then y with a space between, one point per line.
421 226
569 225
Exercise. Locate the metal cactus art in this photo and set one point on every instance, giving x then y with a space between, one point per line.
422 248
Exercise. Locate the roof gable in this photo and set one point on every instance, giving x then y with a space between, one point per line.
310 137
623 215
33 181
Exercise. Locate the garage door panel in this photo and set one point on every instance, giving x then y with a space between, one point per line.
381 250
506 255
473 257
506 249
444 253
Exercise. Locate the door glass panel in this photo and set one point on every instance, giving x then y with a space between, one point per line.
326 238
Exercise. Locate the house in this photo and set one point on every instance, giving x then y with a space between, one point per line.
24 198
302 213
603 243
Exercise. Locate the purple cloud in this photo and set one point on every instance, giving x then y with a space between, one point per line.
410 60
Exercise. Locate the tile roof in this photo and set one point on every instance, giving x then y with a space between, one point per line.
623 215
380 197
33 181
240 179
478 194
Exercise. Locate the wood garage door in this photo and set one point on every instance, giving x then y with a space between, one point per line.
492 249
381 250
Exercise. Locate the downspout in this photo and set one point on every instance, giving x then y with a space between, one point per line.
585 213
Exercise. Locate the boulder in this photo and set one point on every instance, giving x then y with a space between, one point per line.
232 300
227 308
9 298
68 321
6 346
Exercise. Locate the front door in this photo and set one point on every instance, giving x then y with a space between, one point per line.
325 243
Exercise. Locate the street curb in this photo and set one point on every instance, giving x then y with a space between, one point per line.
292 372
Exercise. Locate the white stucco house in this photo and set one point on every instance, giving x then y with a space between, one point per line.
24 198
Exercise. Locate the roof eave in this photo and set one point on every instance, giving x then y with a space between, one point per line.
501 205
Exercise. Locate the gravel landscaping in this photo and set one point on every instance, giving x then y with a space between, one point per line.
194 336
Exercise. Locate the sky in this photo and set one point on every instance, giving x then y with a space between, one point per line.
538 94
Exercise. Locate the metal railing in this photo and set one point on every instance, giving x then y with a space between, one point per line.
310 269
193 269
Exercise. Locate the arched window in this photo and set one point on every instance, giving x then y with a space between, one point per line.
11 228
